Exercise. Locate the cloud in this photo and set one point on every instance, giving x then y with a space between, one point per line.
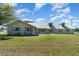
11 4
51 15
20 11
70 21
39 6
76 21
56 6
61 8
57 18
25 19
40 20
64 11
66 21
75 24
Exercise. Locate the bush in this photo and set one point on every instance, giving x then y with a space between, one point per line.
3 37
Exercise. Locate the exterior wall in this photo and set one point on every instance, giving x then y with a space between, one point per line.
22 27
71 31
35 31
43 31
63 31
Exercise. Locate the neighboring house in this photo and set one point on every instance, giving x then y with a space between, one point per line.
21 28
3 29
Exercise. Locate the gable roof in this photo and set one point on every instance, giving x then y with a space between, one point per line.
40 25
16 21
58 26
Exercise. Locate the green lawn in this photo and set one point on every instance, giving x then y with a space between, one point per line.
45 45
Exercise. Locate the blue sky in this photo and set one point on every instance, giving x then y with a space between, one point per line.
48 12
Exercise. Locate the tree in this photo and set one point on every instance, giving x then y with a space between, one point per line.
6 14
63 24
28 21
77 29
50 24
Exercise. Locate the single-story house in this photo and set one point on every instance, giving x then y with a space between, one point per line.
3 30
18 27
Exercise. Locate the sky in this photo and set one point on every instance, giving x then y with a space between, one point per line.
48 12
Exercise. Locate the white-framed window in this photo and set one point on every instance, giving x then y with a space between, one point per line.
16 30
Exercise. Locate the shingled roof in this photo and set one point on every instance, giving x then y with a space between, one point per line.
43 25
40 25
58 26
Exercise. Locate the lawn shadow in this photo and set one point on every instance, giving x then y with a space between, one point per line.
5 38
22 35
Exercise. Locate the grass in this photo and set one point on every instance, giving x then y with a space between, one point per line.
1 33
42 45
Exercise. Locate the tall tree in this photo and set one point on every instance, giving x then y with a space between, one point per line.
6 14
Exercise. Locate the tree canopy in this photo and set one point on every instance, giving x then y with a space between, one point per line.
6 14
77 29
28 21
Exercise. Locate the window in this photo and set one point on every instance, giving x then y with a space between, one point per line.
59 30
42 30
31 29
16 29
50 30
28 29
67 30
